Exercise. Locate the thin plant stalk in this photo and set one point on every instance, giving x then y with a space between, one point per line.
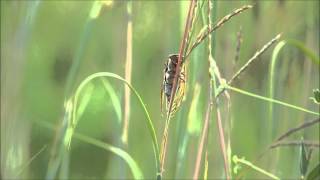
174 87
254 57
206 166
295 143
250 62
204 134
212 86
215 76
202 139
30 161
298 128
289 132
219 24
56 155
270 100
222 143
237 160
128 72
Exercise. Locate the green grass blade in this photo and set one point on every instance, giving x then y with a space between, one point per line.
84 38
306 51
136 171
74 120
114 99
275 54
85 99
274 61
270 100
237 161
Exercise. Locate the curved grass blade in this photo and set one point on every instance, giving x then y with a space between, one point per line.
274 61
85 99
114 99
56 159
74 120
306 51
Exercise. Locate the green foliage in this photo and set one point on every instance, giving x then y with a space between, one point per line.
115 100
40 40
74 119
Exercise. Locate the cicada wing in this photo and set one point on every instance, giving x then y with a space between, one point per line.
162 98
180 90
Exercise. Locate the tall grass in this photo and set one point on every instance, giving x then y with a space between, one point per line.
221 117
128 72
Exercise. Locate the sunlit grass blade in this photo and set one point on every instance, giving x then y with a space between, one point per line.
115 100
206 167
275 53
128 72
85 99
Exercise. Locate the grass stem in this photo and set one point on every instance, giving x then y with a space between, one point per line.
271 100
237 160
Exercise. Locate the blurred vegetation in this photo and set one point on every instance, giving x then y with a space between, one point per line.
49 47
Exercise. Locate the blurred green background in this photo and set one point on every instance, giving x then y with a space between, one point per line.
42 40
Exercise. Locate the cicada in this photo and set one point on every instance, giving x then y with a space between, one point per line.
170 73
168 78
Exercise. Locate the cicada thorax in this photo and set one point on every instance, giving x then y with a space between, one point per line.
169 75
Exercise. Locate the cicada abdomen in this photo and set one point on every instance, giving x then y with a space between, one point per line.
168 78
